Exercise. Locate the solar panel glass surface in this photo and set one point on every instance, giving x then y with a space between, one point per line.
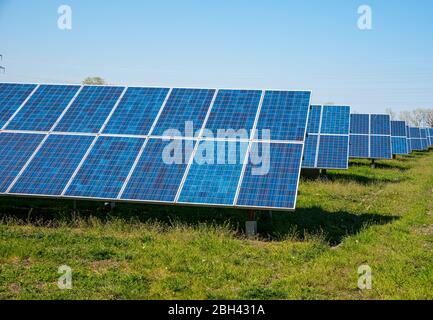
12 96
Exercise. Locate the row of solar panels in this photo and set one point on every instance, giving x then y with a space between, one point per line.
109 143
334 136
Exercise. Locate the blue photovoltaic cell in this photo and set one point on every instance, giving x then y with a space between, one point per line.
399 145
106 168
15 150
409 145
359 146
53 165
234 110
285 113
137 111
12 96
430 133
380 147
310 151
380 124
90 109
157 178
359 124
415 133
184 105
333 152
277 185
314 119
424 139
44 108
335 120
215 182
398 129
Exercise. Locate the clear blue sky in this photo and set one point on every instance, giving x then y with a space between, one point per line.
308 44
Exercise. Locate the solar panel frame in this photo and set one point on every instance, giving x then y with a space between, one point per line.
251 141
328 122
399 143
355 134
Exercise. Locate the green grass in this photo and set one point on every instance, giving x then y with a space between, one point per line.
380 217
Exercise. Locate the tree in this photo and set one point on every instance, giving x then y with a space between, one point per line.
391 113
94 81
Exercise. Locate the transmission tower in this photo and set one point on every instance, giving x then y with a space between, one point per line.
2 69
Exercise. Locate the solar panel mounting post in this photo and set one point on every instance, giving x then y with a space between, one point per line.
251 224
373 164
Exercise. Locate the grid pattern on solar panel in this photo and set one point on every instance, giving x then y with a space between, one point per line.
158 174
15 149
278 188
398 129
399 145
53 166
430 133
360 124
213 178
285 113
335 120
314 119
12 96
184 105
137 111
43 108
310 151
380 124
380 147
106 168
415 139
234 110
359 146
333 152
424 139
90 109
409 146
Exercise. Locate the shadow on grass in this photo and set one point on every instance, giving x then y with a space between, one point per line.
361 178
278 226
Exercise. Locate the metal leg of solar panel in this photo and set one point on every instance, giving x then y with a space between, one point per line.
373 164
251 224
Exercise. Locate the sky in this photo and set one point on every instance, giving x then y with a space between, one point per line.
277 44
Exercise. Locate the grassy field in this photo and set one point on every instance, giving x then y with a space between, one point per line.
379 217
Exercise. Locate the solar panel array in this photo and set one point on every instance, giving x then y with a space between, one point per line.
370 136
416 143
112 143
399 138
327 143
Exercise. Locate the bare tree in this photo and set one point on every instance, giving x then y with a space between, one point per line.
94 81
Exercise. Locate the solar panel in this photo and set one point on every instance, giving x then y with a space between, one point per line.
154 179
415 139
53 165
111 143
15 149
424 139
284 114
90 109
12 96
137 111
370 136
409 145
43 108
430 136
399 138
327 144
234 110
213 179
184 105
278 187
105 170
